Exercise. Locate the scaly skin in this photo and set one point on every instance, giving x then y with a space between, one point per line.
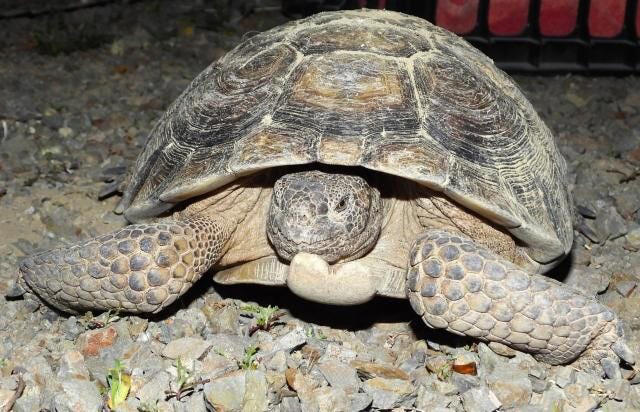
456 285
140 268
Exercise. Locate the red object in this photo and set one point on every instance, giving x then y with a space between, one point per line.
558 17
458 16
606 17
508 17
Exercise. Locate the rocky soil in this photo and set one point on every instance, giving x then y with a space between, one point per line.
80 91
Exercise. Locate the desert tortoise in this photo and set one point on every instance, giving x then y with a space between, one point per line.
346 155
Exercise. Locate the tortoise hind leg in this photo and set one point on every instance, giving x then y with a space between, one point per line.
466 289
140 268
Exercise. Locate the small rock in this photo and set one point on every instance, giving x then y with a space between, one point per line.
72 328
255 395
437 364
226 391
371 370
538 385
153 390
625 288
78 395
65 132
565 376
359 401
445 388
553 399
415 361
586 380
340 376
511 386
290 404
339 352
92 342
611 368
618 388
223 320
388 393
278 362
586 404
72 366
480 399
633 238
464 382
287 343
429 400
329 399
230 346
186 348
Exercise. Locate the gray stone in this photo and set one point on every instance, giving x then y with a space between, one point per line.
187 348
415 361
388 393
72 366
278 362
330 399
72 328
226 391
625 288
538 385
286 342
153 390
564 376
223 320
230 346
611 368
255 395
77 395
480 399
359 401
464 382
587 380
511 386
618 388
290 404
428 399
340 375
553 399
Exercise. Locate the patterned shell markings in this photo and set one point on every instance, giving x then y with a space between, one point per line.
383 90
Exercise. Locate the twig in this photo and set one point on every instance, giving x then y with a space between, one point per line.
16 394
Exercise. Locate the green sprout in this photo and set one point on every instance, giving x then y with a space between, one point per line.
119 384
97 322
249 360
148 407
265 318
185 382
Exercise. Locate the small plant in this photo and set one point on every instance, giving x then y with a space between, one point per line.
3 362
185 382
97 322
265 318
315 333
249 360
148 407
119 384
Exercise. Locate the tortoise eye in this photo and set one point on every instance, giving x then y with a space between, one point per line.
342 204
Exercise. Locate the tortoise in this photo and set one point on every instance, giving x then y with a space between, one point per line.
347 155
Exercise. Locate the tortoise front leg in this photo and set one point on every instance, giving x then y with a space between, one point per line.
456 285
140 268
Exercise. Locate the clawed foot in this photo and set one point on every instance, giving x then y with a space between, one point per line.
464 288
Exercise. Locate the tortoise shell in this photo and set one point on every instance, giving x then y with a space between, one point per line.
377 89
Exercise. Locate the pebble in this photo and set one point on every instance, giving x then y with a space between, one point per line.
511 386
480 399
226 391
340 376
153 389
77 395
626 288
564 376
388 393
372 370
72 366
188 348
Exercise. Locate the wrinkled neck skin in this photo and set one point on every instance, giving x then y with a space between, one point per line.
336 216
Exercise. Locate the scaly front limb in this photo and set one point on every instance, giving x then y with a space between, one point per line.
140 268
456 285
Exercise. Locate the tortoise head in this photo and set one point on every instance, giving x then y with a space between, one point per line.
336 216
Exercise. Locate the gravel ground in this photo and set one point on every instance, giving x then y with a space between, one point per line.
76 102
